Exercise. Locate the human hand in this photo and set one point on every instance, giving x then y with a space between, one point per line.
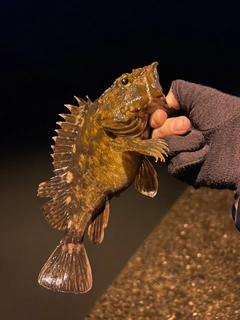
209 154
164 126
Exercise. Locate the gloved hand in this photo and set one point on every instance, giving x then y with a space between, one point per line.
209 154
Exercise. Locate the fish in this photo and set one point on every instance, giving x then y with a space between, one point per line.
101 148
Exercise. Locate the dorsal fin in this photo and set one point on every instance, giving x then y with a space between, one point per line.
65 142
59 187
83 103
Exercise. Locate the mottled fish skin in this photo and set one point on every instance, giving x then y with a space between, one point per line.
100 150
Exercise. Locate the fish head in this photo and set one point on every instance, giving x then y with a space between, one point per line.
124 108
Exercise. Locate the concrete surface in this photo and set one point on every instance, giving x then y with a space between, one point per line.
188 268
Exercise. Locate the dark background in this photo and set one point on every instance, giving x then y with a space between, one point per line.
54 50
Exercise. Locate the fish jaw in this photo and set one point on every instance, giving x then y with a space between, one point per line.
156 98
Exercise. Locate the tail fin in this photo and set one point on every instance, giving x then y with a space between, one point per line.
67 269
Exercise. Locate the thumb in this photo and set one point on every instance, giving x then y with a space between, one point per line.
187 159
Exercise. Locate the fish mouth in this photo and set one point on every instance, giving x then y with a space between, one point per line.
134 123
156 98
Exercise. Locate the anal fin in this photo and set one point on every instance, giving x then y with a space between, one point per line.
146 179
96 228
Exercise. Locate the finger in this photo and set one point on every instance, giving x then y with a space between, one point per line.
158 118
172 101
177 126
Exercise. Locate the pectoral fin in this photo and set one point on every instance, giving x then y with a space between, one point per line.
156 148
96 228
146 180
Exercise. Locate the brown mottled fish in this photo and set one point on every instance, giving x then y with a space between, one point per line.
100 150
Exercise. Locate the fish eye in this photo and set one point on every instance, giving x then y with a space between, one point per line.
124 81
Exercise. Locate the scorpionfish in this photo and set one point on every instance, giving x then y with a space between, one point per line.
99 151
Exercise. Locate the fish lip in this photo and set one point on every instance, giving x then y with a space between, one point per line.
152 77
156 98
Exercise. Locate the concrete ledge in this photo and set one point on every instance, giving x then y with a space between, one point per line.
188 268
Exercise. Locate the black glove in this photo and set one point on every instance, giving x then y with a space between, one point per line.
209 155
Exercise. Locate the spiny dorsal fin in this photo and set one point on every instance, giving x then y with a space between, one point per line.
57 210
83 103
65 142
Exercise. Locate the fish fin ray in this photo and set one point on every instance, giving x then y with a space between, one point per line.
146 179
65 142
96 228
59 187
56 211
56 214
67 269
156 148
